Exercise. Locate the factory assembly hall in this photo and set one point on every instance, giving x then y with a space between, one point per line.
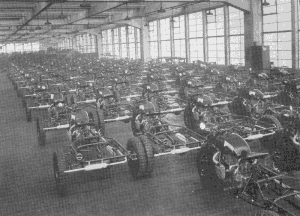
149 108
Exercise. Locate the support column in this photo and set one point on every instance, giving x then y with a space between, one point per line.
136 36
205 40
172 37
295 35
226 35
120 48
159 39
145 49
127 42
99 45
96 45
113 41
187 38
253 23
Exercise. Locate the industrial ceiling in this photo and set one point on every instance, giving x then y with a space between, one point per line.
35 20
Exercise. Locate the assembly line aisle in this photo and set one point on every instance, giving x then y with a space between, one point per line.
27 185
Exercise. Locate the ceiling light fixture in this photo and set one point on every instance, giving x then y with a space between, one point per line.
265 3
209 11
161 10
85 5
127 17
172 17
47 22
61 15
38 27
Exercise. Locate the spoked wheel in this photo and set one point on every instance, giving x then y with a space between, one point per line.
59 175
266 213
206 169
141 165
41 135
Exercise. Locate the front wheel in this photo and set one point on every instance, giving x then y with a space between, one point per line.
206 169
270 120
41 134
139 166
59 175
187 117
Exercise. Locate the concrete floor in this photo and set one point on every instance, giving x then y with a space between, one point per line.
27 185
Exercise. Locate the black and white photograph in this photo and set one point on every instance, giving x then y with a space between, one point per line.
149 108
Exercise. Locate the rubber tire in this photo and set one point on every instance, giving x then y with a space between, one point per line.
116 96
274 120
101 122
187 117
238 108
264 141
209 179
28 103
28 114
266 213
156 107
59 175
149 152
41 135
72 100
138 168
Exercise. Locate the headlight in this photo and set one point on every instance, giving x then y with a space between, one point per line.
79 156
202 126
141 107
60 105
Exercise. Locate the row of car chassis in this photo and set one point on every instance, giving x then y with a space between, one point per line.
224 115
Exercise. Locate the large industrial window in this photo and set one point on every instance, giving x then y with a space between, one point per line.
277 28
179 36
109 42
116 42
153 39
93 43
236 36
165 37
123 43
196 36
104 42
131 39
138 43
215 33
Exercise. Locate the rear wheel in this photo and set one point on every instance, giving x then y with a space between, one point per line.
206 169
187 117
28 114
149 153
73 100
28 102
59 175
268 143
270 120
138 167
100 116
41 134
